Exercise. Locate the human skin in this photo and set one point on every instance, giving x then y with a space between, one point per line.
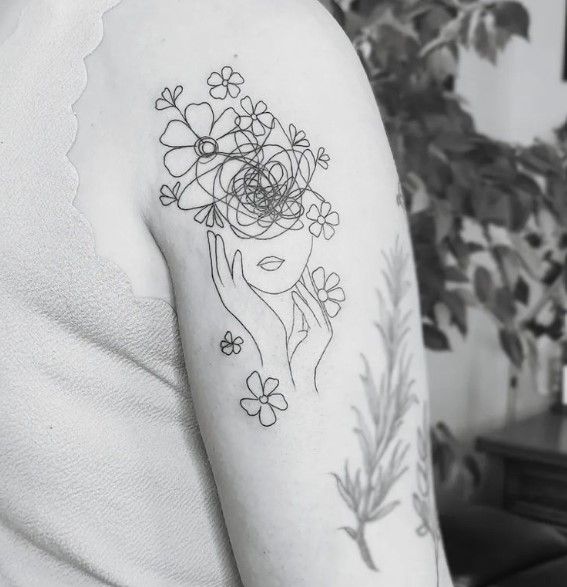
281 505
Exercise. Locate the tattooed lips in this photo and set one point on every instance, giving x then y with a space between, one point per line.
271 263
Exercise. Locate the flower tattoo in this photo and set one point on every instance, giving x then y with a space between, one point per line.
197 141
249 179
264 402
231 345
323 158
168 98
323 220
210 216
298 138
256 117
225 83
328 291
169 195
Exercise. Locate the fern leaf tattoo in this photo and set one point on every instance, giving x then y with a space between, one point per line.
367 491
423 502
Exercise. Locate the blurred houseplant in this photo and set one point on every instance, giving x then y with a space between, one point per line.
488 219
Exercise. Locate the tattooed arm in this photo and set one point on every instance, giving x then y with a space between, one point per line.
276 203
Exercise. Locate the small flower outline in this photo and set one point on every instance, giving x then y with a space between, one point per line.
231 345
256 117
197 142
224 83
324 220
328 290
264 402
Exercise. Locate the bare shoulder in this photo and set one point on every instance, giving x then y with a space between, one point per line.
292 55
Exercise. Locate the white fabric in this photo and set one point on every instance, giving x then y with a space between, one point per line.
103 477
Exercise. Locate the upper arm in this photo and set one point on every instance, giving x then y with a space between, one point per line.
285 231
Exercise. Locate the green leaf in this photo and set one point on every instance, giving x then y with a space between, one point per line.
504 307
468 297
492 205
443 221
514 18
457 309
458 143
455 275
512 346
522 291
485 42
435 339
483 285
509 261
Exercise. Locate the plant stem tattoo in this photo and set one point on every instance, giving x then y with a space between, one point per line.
423 502
248 179
367 491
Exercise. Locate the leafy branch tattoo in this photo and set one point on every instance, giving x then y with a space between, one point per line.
248 179
423 498
367 491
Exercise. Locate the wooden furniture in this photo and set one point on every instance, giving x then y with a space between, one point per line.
534 458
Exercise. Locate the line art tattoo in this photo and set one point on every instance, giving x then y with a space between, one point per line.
423 502
248 180
230 344
225 83
264 402
367 491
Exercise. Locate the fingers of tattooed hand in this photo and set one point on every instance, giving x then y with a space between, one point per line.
312 302
308 281
305 309
222 261
213 257
298 332
237 269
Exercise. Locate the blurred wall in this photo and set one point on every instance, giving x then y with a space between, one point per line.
522 98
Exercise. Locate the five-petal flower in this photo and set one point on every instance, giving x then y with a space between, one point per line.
256 117
226 82
198 142
328 291
323 220
264 402
231 345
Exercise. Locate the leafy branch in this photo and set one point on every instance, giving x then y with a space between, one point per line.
458 182
423 498
367 490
